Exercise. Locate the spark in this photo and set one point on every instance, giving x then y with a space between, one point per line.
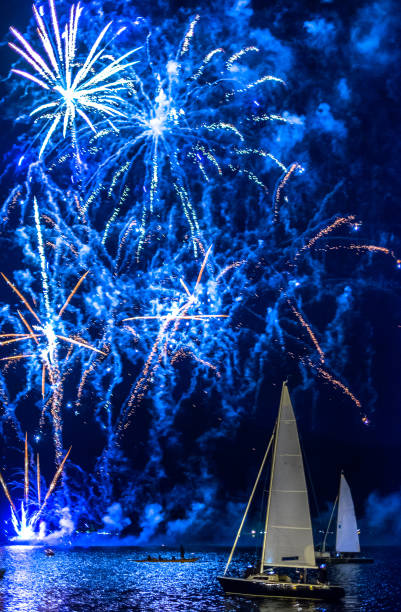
85 375
73 292
80 343
42 258
236 56
281 185
38 478
272 118
362 248
29 328
309 330
336 383
182 354
26 479
53 483
187 38
262 153
6 492
170 323
235 264
16 357
326 230
23 300
12 341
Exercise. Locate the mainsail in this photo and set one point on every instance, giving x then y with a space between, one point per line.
288 535
347 539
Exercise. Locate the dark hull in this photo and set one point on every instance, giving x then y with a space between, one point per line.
342 560
246 587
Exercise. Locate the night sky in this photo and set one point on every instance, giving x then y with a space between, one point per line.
341 65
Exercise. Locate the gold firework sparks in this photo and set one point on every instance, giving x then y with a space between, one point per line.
170 323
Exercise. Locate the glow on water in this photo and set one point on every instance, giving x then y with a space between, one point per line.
107 579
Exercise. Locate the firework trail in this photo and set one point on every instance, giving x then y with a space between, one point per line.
165 336
24 522
46 338
166 134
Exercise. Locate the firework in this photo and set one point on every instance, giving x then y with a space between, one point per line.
168 329
175 154
166 131
24 522
72 86
44 334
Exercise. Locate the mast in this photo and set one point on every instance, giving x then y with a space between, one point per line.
262 560
288 538
347 539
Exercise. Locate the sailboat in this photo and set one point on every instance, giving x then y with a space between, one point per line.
288 538
347 536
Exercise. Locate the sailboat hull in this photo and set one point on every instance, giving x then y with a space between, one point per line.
250 587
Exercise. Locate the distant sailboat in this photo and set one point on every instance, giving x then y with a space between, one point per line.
288 538
347 535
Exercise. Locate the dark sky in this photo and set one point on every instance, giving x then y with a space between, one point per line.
370 161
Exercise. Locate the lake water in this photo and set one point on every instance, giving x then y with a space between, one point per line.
108 579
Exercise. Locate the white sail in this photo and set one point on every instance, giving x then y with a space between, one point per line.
347 539
288 535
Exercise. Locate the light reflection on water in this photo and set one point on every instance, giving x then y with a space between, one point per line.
109 580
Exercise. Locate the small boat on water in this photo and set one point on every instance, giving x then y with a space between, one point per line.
172 560
159 559
49 552
287 539
347 549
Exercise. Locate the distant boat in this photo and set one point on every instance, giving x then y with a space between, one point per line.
288 537
164 560
347 549
49 552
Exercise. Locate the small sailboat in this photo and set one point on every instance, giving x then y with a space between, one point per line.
347 548
288 538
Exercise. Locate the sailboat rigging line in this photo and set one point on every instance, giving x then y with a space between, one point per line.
309 474
250 499
259 540
328 526
262 561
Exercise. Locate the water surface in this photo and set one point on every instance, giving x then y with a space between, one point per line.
108 580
